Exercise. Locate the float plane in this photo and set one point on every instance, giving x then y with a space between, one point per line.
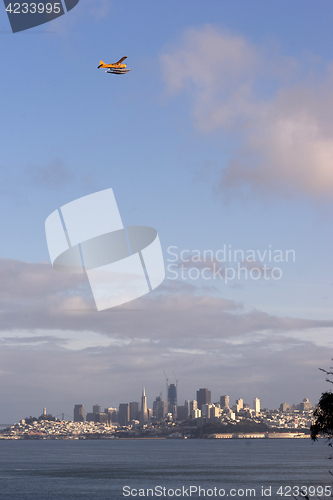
117 68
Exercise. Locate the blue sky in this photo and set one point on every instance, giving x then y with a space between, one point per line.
220 134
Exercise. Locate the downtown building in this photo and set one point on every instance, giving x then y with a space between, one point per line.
256 405
97 416
172 400
124 414
224 402
160 408
204 397
144 410
134 410
79 415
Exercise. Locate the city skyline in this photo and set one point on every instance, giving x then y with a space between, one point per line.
79 408
170 389
132 410
135 414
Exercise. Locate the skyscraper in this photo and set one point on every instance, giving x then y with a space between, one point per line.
134 410
143 412
193 405
256 405
123 414
96 409
79 415
204 397
172 399
205 410
160 408
239 404
183 412
112 414
224 401
283 407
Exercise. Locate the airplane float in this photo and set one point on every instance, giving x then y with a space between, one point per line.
116 68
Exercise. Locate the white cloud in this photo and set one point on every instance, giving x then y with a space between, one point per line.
34 297
167 318
280 115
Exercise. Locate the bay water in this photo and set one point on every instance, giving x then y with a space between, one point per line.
152 468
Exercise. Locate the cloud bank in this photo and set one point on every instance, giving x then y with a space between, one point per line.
278 113
57 349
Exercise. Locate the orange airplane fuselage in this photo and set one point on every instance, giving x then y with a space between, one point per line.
115 65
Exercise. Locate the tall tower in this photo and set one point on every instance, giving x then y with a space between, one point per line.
144 411
172 399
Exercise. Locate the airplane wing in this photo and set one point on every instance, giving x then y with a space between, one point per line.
121 60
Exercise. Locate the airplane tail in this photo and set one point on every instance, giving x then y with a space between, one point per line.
100 64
